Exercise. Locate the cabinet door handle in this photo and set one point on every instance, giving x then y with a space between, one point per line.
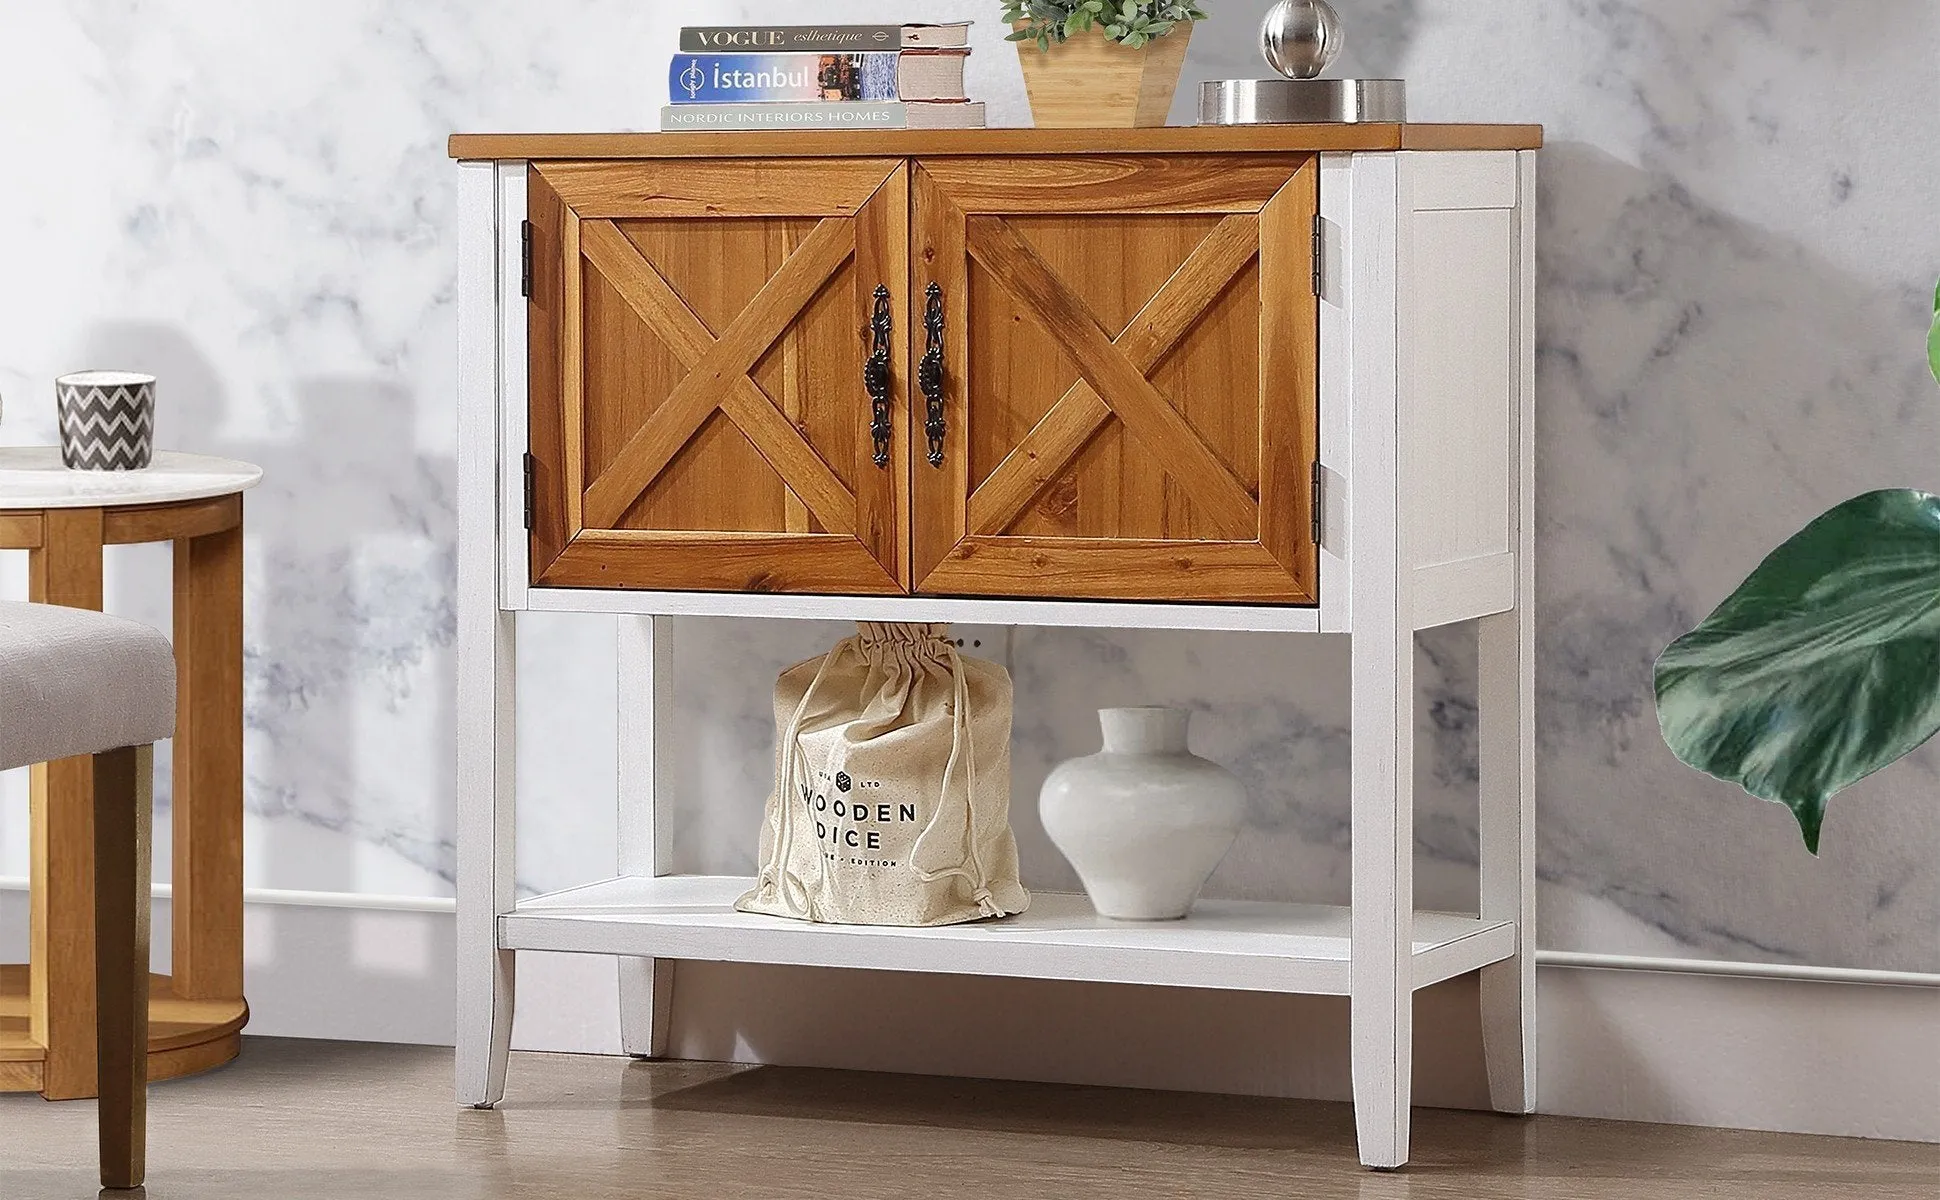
875 376
929 374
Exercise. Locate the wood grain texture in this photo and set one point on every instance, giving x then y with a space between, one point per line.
572 357
939 496
327 1120
1146 413
704 389
545 373
65 570
19 530
1045 451
719 561
123 800
1471 137
184 1036
1113 184
207 797
882 256
167 522
1289 380
724 187
720 362
940 143
667 316
1120 379
1119 569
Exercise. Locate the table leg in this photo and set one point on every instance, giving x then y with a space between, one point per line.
208 779
65 569
123 782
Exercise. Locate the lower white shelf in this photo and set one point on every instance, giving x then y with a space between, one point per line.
1228 944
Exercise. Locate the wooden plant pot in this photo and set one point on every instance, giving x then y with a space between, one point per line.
1089 82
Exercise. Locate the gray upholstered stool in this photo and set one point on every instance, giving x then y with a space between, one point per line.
74 682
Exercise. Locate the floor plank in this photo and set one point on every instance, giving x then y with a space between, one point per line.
329 1119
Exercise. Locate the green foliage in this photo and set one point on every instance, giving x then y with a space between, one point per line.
1130 23
1933 338
1824 665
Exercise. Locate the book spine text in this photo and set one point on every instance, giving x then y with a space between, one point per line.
766 39
814 115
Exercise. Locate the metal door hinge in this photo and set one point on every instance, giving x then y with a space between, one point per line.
525 258
531 488
1319 493
1320 255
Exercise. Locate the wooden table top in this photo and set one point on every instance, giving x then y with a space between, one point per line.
822 143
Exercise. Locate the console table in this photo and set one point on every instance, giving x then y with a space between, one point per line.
63 519
1272 379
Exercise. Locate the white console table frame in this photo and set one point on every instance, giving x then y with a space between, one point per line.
1427 416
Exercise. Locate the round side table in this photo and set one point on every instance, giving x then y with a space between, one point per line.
62 519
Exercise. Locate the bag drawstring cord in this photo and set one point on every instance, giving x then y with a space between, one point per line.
963 744
791 764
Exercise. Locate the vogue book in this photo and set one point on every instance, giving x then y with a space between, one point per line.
819 39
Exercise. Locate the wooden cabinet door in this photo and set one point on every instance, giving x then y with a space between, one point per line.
1128 377
699 334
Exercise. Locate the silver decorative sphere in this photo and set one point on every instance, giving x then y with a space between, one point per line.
1300 38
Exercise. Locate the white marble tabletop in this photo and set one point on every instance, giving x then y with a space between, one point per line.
33 477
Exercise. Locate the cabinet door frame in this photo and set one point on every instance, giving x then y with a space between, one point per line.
1268 205
861 205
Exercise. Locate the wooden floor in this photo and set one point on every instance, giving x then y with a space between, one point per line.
327 1119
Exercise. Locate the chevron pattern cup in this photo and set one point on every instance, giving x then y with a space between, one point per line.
107 420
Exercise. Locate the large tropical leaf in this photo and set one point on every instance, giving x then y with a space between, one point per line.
1824 665
1933 338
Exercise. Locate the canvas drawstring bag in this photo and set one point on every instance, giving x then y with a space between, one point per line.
892 786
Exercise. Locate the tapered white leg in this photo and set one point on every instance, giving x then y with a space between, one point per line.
485 864
1508 834
1382 1001
1506 696
485 695
646 984
1381 615
1383 801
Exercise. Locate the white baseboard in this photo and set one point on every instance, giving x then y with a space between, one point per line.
1795 1055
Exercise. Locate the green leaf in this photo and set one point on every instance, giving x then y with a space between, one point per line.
1933 339
1824 665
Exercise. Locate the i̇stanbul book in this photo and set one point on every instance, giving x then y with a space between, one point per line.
745 78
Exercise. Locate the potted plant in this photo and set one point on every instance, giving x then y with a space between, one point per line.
1824 665
1110 63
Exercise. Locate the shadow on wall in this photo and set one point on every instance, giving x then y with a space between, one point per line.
349 577
1705 387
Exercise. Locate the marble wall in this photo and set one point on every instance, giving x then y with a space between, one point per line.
1738 248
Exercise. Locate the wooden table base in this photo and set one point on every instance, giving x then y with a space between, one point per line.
63 520
184 1036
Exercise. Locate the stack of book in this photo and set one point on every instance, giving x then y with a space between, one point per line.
821 77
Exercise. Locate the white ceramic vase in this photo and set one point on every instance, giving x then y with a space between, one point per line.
1144 820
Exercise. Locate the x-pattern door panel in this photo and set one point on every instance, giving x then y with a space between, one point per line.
1129 381
699 414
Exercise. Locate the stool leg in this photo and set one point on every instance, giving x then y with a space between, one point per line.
123 795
